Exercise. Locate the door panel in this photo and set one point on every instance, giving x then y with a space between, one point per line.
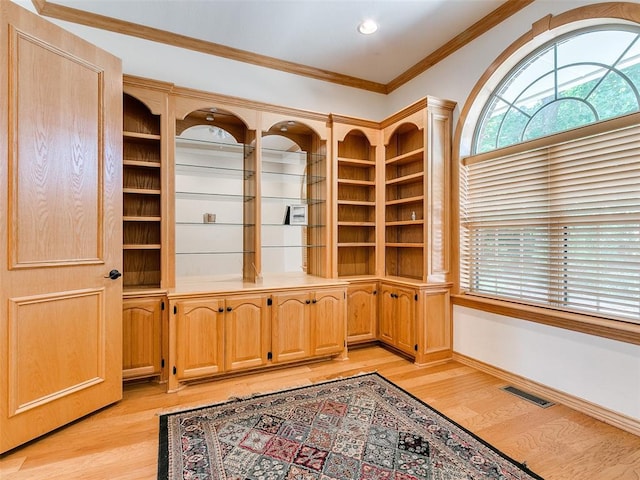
328 320
199 338
362 309
61 228
291 339
247 332
141 337
405 320
387 315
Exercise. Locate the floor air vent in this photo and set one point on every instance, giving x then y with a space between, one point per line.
541 402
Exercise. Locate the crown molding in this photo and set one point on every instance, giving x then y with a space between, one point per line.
73 15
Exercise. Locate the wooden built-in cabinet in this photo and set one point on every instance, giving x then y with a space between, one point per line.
218 334
142 347
362 311
356 203
213 334
147 248
415 319
417 174
374 199
142 195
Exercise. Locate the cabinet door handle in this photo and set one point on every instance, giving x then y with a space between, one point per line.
229 309
375 292
307 301
220 309
313 301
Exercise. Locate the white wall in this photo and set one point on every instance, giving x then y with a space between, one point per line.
601 371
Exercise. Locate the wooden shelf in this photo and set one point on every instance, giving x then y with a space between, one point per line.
141 136
411 156
356 244
400 201
397 223
405 245
141 163
366 183
141 218
411 178
142 247
354 162
361 203
142 191
356 224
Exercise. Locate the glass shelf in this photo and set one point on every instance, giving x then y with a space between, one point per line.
220 196
213 170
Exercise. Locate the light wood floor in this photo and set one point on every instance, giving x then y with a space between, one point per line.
121 441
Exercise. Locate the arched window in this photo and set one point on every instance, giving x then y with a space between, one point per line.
555 222
580 78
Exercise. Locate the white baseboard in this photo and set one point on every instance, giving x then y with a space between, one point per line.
616 419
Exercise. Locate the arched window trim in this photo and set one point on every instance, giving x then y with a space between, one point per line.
532 56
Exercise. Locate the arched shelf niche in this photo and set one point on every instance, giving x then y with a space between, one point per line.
356 235
216 203
294 192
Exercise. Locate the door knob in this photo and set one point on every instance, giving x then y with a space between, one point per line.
114 274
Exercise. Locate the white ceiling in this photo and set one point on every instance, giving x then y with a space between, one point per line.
317 33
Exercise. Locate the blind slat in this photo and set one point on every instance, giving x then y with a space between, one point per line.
557 226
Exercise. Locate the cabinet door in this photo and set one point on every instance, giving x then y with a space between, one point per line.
247 335
387 315
199 338
141 337
290 326
405 314
328 321
362 312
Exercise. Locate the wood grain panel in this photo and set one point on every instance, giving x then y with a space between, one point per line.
42 368
48 129
438 187
60 227
141 337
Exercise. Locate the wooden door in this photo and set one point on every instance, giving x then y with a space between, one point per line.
60 227
328 322
290 326
247 332
405 314
199 342
362 312
387 314
141 337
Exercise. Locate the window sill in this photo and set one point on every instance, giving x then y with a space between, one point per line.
613 329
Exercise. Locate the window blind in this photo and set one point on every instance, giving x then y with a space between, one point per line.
557 226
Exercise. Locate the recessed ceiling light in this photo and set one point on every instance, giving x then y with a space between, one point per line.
367 27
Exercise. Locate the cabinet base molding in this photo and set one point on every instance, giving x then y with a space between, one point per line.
282 366
619 420
429 361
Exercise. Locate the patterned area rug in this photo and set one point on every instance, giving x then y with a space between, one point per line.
362 427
